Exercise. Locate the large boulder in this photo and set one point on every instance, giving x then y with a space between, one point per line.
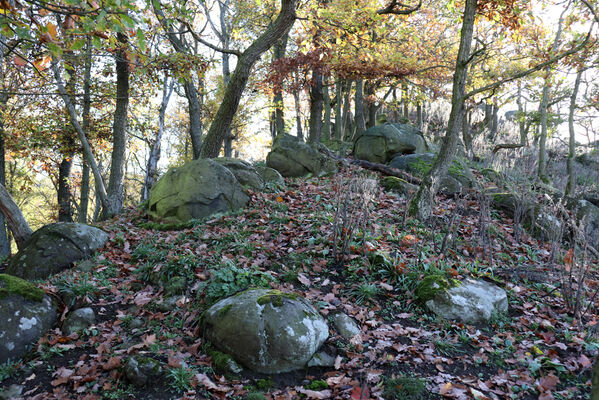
198 189
265 330
381 143
293 158
26 314
54 248
469 301
416 164
458 176
245 172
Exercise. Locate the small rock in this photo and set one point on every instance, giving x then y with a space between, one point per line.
136 323
140 370
346 326
168 304
86 266
321 359
12 392
79 320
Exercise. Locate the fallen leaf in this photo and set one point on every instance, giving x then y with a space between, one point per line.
112 363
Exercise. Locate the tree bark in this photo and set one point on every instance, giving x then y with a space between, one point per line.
84 196
419 118
316 106
14 218
521 123
298 114
359 107
154 156
65 214
571 184
234 90
422 203
338 104
466 135
405 100
119 130
346 109
326 124
279 106
4 241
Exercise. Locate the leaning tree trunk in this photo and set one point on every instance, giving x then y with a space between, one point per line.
422 203
359 107
119 131
571 184
14 218
316 105
224 116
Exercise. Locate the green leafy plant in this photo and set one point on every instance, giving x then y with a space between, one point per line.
365 292
228 279
8 369
180 379
405 387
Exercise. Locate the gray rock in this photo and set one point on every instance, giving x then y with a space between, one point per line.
398 185
346 326
321 359
26 314
265 330
54 248
471 302
381 143
415 164
167 304
11 392
86 266
451 185
198 189
270 175
142 370
245 172
293 158
79 320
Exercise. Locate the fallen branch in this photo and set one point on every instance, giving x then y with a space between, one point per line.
507 146
387 170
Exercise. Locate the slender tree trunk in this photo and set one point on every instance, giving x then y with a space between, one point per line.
359 118
119 130
326 124
65 214
494 121
279 106
571 184
419 115
225 41
224 116
338 108
84 197
405 100
298 114
154 156
466 135
316 106
194 107
371 108
422 203
4 241
346 108
521 123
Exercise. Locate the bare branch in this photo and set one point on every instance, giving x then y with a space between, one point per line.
398 8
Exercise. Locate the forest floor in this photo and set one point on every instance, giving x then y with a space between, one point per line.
284 239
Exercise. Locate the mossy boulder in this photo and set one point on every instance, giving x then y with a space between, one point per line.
54 248
245 172
416 164
293 158
270 175
398 185
140 370
469 301
26 314
79 320
266 330
381 143
198 189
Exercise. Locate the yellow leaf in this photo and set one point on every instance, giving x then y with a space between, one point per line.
279 199
42 63
51 30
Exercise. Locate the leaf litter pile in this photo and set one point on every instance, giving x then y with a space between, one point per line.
151 283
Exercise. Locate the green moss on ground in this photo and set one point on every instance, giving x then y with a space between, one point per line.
275 297
13 285
431 285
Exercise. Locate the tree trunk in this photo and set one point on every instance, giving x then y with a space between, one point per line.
571 184
326 124
298 114
370 106
14 218
419 119
521 123
346 108
119 130
359 118
422 203
154 156
405 100
466 135
224 116
65 214
84 196
494 122
316 106
194 108
338 104
279 52
4 241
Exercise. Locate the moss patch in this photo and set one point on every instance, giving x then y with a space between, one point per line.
223 311
275 297
13 285
394 183
431 285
